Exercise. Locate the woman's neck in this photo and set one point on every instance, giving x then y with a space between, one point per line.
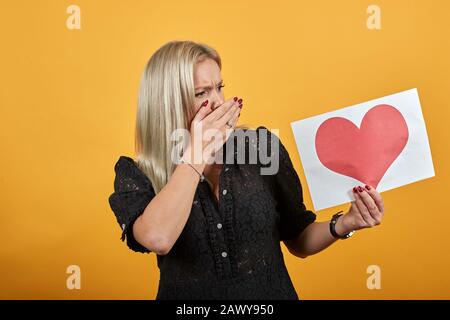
212 169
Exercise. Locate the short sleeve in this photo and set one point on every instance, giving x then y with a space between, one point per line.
132 193
294 216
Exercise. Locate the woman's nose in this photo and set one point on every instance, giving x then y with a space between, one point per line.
216 100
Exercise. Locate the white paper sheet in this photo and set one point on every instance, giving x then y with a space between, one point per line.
382 142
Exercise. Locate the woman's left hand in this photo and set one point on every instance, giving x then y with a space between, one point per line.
366 211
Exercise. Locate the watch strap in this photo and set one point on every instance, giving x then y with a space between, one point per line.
333 232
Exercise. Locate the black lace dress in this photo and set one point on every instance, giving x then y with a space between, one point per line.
228 249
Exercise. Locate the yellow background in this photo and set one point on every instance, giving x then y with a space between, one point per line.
68 103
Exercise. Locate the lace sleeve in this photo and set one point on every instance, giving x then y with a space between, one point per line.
294 217
132 193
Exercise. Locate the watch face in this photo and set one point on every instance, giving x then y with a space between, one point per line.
350 234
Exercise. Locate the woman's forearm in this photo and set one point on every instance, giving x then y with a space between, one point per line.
365 212
164 218
315 238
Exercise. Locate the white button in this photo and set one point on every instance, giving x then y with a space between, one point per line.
226 169
219 226
123 226
224 254
224 192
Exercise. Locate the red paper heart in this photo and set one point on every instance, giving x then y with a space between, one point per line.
363 153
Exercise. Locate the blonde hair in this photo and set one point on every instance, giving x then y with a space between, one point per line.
166 103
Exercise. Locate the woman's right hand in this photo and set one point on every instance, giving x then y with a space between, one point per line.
209 130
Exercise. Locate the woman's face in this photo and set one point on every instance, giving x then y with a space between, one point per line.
208 84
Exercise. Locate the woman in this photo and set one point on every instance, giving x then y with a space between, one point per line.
216 225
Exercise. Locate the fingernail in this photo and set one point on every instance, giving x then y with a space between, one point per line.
367 187
235 99
204 103
354 189
240 100
240 106
360 189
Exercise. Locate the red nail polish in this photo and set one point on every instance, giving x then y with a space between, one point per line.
240 100
235 99
360 189
205 103
367 187
354 189
240 106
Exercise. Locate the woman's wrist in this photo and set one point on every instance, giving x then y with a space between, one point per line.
197 162
343 225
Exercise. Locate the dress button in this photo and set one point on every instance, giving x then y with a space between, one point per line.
219 226
226 169
224 192
224 254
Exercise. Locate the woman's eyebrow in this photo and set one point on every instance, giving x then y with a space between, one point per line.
209 87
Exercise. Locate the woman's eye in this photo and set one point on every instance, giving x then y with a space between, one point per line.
200 94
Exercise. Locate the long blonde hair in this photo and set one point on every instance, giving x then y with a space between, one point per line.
165 103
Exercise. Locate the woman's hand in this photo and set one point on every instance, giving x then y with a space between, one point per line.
365 212
209 130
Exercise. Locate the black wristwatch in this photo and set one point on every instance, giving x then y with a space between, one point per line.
333 227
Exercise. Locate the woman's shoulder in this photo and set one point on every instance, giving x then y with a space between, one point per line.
125 160
256 133
125 163
126 169
251 129
259 137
